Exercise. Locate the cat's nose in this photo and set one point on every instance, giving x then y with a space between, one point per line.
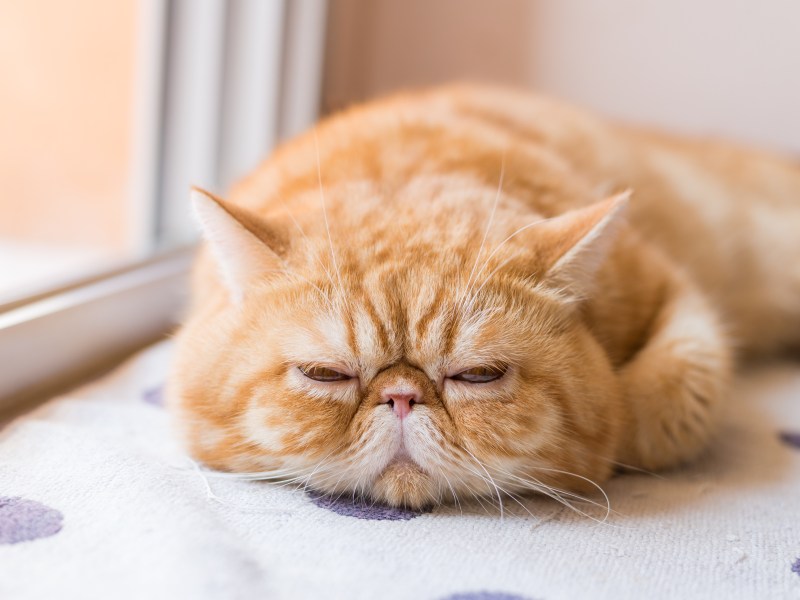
401 400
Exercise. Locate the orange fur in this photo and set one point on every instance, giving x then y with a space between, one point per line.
408 240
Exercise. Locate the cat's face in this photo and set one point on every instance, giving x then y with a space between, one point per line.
412 361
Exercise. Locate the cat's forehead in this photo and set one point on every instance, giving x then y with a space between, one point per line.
423 217
429 319
408 284
408 313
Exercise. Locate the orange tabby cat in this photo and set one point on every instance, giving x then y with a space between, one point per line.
453 293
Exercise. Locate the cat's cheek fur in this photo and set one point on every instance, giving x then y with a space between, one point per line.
559 423
586 397
238 405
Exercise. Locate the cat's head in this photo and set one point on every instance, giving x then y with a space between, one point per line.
412 348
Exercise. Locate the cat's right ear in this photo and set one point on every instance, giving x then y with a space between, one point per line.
573 245
236 241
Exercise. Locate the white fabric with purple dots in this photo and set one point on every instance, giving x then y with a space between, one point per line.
98 501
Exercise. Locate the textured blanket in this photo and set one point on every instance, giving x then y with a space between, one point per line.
98 501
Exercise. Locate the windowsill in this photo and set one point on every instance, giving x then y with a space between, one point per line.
25 265
56 339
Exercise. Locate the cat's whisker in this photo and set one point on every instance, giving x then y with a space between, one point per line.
439 491
583 478
546 490
452 490
512 236
323 478
335 486
304 478
325 218
325 296
282 477
493 483
636 469
363 494
254 476
512 495
567 494
288 483
284 480
308 242
320 464
470 489
480 499
517 498
497 489
210 495
554 492
533 481
485 281
357 487
491 218
298 483
586 479
501 244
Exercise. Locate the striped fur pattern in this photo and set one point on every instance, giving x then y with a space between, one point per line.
408 241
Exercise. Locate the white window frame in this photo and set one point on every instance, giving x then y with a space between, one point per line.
220 82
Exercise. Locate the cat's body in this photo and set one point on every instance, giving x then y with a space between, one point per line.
402 245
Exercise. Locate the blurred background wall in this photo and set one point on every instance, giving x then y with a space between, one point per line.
720 67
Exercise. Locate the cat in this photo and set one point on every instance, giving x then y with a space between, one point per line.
477 291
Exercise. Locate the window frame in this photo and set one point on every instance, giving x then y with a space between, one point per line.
58 337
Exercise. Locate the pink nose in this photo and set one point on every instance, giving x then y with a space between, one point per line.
400 401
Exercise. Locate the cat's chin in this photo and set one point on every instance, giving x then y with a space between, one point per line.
404 483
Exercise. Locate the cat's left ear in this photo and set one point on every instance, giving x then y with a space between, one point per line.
571 247
242 246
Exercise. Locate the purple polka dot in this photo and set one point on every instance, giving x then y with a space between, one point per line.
790 438
22 520
484 596
154 396
361 508
796 566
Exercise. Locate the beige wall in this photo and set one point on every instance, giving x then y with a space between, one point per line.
729 67
66 98
375 46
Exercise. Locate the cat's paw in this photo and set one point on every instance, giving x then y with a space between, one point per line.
674 386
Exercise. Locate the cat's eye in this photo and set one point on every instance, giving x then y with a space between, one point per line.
324 374
483 374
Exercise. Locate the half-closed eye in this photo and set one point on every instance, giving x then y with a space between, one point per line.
483 374
324 374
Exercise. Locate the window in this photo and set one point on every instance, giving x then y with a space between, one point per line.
67 108
110 111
